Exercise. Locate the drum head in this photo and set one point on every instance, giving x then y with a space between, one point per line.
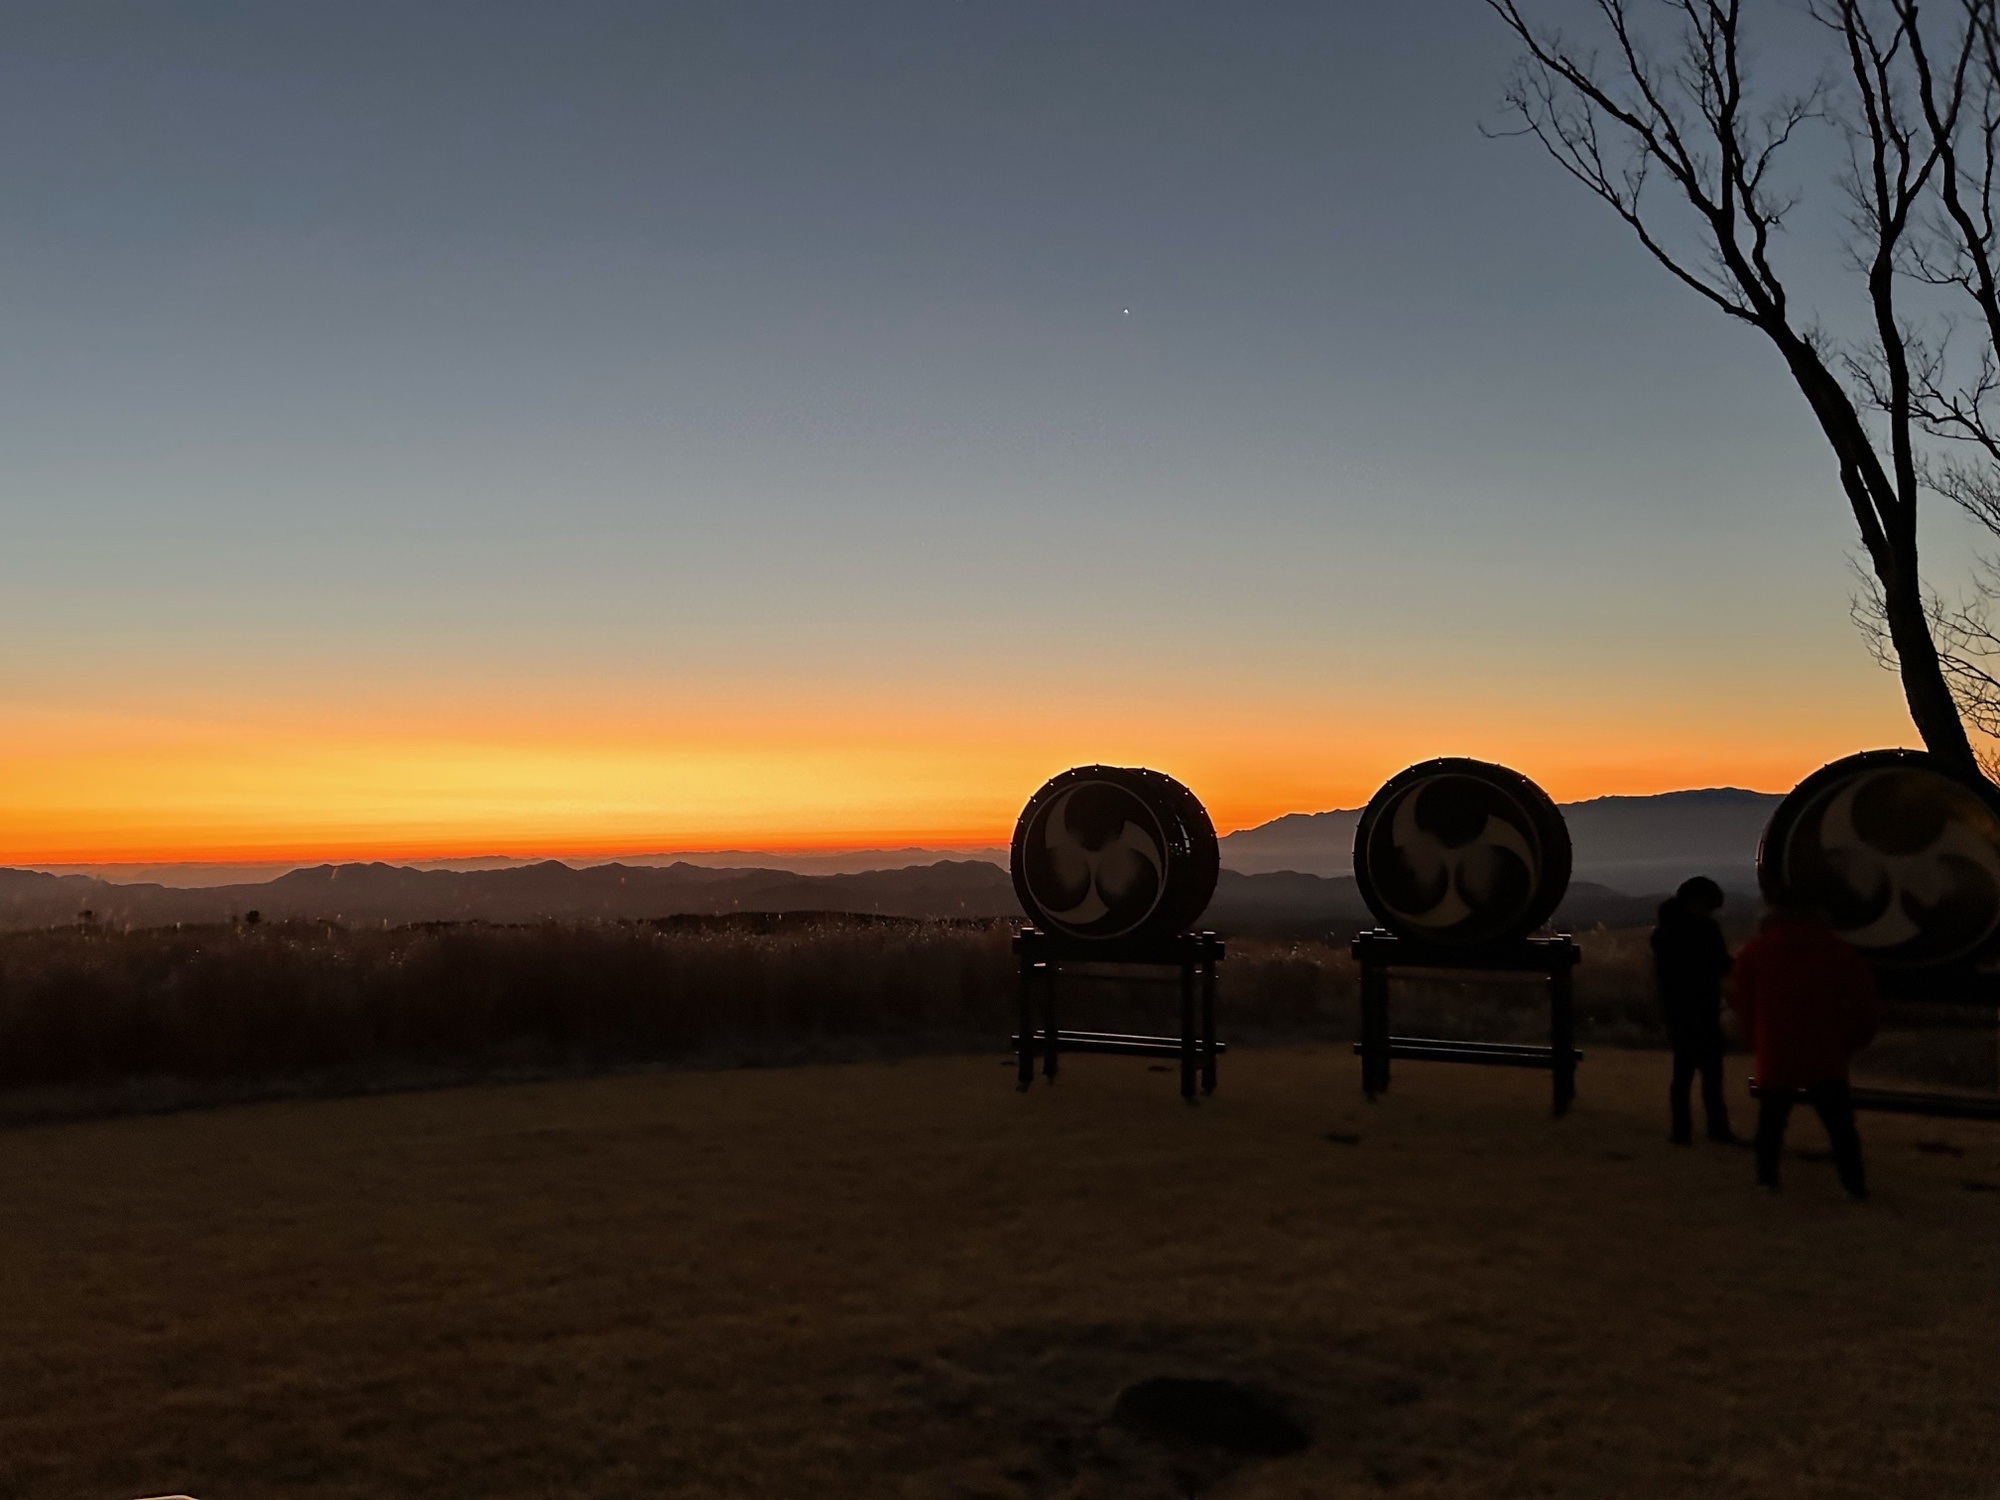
1461 853
1103 853
1901 856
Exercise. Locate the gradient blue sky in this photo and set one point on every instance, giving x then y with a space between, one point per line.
730 374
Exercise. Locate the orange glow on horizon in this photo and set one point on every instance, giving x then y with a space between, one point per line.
595 780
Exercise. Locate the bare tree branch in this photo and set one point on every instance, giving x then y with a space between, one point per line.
1667 99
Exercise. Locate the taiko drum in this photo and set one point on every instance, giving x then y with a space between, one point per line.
1461 854
1114 854
1900 856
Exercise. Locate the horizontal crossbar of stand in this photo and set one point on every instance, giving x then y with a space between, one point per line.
1088 970
1553 955
1111 1041
1912 1102
1194 949
1492 1054
1976 990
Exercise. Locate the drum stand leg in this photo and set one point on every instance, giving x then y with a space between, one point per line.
1049 1012
1562 1041
1208 1027
1187 1032
1374 1030
1024 1053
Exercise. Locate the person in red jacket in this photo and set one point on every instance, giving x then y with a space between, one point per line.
1807 1003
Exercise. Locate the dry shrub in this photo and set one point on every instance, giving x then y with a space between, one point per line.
1616 1004
223 1005
85 1006
78 1006
1316 987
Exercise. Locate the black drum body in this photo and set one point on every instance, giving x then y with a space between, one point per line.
1114 855
1900 855
1461 854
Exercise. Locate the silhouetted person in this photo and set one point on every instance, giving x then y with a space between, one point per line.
1809 1002
1689 959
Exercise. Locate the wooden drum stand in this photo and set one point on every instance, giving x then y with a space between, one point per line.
1381 954
1045 957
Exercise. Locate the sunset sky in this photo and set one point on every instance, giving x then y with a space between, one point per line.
590 428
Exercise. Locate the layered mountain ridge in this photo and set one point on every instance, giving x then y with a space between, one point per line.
1636 845
1288 876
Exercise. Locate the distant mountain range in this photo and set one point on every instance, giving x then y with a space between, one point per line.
1286 904
376 893
190 874
1637 845
1290 876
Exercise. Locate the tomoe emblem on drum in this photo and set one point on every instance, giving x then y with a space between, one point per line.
1093 860
1903 859
1491 865
1113 854
1462 853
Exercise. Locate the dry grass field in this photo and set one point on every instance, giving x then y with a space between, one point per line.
907 1280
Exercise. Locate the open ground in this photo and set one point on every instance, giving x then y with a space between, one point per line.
906 1279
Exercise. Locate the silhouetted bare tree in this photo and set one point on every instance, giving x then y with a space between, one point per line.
1661 93
1968 641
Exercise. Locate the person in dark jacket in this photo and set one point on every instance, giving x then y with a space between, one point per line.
1808 1002
1689 959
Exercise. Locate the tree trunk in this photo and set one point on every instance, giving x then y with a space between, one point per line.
1932 708
1891 544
